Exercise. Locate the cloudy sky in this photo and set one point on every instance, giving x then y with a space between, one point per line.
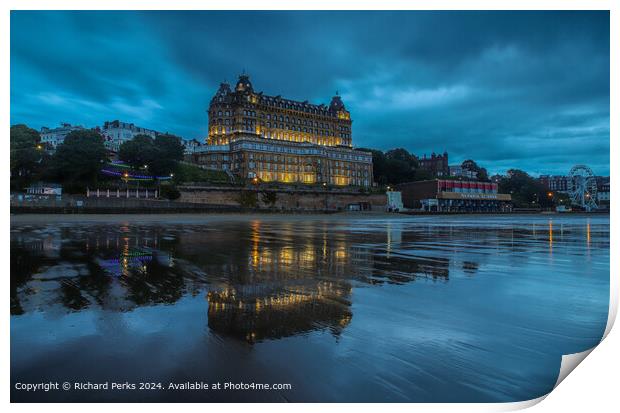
528 90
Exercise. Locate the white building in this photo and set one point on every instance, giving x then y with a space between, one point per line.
51 138
42 188
115 133
603 193
191 146
394 201
457 170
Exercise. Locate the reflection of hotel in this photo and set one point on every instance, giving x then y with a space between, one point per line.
292 288
277 139
256 312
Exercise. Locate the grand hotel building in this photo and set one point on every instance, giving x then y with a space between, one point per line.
275 139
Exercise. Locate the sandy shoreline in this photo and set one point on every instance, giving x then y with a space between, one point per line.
196 218
199 218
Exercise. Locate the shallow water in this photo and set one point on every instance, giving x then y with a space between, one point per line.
423 309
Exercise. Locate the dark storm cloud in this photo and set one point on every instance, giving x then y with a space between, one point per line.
508 89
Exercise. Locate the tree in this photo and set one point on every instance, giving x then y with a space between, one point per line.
79 159
526 191
138 152
168 152
401 166
248 199
269 198
170 192
26 153
392 167
400 154
472 166
160 155
379 166
422 175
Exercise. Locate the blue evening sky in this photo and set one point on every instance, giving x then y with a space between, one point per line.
526 90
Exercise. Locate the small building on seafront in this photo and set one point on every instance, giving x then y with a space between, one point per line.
43 188
441 195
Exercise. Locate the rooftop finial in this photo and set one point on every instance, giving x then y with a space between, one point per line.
336 103
244 84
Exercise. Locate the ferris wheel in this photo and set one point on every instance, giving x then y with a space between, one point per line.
582 187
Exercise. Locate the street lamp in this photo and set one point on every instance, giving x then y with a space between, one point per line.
126 179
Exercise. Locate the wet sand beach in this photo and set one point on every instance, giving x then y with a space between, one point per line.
349 307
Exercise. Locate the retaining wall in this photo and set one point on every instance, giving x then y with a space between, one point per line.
286 199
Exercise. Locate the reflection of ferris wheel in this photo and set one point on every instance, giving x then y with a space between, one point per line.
582 187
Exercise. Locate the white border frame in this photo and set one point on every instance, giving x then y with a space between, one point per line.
592 386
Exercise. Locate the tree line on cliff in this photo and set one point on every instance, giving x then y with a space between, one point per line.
78 161
397 166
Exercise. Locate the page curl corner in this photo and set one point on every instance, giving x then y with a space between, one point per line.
569 363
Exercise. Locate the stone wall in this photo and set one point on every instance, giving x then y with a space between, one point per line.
74 204
307 200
